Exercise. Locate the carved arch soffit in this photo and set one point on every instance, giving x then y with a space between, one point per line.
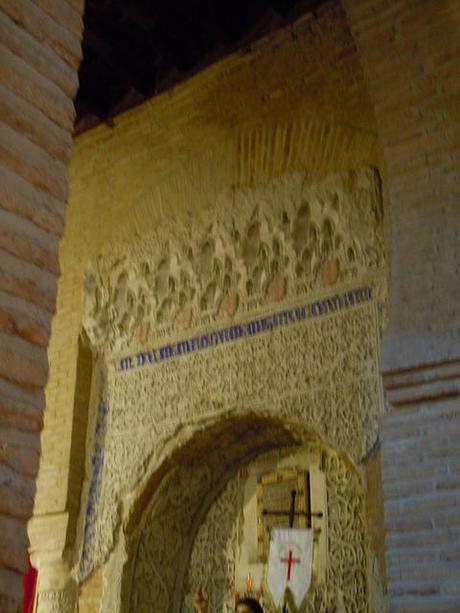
182 500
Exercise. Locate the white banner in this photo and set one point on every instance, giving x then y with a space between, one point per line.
289 563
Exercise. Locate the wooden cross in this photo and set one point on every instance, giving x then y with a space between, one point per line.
292 512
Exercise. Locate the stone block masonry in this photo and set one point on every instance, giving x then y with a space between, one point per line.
39 57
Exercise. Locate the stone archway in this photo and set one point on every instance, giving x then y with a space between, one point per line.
35 216
197 472
167 515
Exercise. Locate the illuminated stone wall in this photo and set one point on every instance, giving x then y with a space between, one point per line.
216 204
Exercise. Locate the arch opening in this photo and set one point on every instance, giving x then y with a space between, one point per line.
180 496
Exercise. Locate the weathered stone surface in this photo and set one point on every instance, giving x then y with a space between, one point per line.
13 322
421 493
20 408
11 417
17 438
24 318
37 110
415 92
18 482
28 242
22 362
23 460
64 14
14 528
14 503
10 586
78 5
12 554
46 61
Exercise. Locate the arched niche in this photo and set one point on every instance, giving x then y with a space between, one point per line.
176 499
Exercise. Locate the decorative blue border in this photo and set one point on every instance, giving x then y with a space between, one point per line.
97 464
249 329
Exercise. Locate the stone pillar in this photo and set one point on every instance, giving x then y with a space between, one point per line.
409 51
57 591
40 52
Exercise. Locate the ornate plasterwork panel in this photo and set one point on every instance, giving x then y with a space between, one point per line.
215 548
160 558
253 247
161 548
214 552
321 374
348 543
258 251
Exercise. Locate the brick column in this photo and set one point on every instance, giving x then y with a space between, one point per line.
410 54
40 53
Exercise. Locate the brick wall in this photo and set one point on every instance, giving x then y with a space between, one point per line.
421 474
410 54
39 58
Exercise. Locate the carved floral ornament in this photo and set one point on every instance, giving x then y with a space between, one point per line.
321 374
261 246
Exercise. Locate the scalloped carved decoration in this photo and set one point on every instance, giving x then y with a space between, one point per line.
264 244
260 245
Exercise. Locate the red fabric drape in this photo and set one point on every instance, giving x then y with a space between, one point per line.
29 582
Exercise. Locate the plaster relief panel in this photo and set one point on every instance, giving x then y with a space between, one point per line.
256 246
259 251
220 558
320 374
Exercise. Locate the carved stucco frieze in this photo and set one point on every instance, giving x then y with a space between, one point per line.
286 242
215 547
254 246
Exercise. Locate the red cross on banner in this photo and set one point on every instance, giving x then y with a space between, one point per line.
290 560
289 563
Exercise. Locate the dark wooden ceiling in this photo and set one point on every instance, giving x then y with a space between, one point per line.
134 49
